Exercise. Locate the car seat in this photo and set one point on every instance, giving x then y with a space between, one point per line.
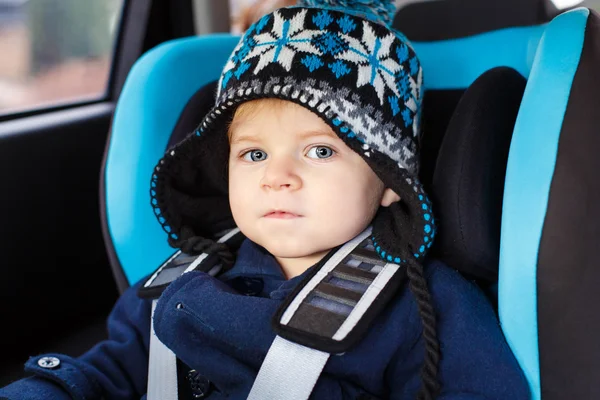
546 274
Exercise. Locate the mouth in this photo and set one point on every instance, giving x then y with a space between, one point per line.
281 214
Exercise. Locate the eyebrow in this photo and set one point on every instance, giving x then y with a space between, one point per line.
309 134
302 136
246 138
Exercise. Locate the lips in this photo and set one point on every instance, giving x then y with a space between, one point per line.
281 214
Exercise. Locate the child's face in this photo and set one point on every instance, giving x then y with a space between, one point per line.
295 188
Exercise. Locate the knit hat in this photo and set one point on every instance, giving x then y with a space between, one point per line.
345 64
341 60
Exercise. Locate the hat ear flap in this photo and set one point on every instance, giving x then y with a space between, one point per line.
189 187
405 229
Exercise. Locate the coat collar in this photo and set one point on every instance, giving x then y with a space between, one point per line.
254 262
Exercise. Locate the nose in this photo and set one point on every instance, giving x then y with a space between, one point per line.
281 174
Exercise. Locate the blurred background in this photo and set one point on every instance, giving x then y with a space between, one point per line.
54 50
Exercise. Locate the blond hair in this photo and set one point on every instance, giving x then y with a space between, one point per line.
250 108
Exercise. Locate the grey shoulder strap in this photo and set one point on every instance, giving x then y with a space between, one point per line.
162 368
289 371
322 319
162 364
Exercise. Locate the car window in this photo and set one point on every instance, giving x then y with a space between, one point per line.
563 4
593 4
245 12
55 51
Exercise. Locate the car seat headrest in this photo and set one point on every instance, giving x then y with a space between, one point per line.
468 182
196 108
450 19
438 108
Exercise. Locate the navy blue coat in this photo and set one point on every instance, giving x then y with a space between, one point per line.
225 337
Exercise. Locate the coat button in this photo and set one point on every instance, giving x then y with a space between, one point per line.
49 362
201 386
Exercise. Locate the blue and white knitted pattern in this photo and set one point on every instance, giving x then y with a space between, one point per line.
359 76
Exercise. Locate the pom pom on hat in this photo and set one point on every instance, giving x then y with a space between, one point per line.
379 11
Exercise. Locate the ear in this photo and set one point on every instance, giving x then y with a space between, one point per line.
389 197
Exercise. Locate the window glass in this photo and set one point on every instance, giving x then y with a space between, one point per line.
593 4
562 4
55 51
245 12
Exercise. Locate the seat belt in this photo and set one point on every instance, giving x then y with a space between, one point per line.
162 368
290 371
291 368
330 313
162 364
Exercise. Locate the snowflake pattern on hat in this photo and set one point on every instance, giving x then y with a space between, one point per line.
372 55
283 42
375 67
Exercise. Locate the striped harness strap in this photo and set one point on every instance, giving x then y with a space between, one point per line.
330 313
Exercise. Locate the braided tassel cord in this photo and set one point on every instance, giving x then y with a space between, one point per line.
418 285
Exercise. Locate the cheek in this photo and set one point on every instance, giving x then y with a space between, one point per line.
350 191
238 191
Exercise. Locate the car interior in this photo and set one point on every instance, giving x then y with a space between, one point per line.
508 155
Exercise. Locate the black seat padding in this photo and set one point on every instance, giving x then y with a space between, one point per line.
449 19
468 182
192 115
438 107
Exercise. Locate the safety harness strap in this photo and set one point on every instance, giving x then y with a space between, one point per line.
333 309
162 367
289 371
322 317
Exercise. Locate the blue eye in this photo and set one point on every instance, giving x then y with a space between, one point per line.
255 155
320 152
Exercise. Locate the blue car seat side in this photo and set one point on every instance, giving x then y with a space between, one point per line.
548 272
154 95
450 66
